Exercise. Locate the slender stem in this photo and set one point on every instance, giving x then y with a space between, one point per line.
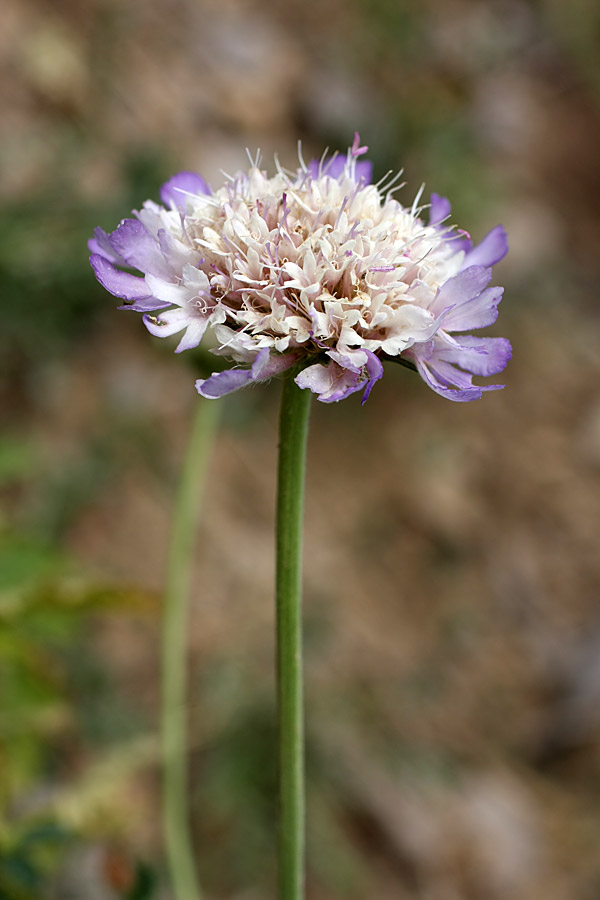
174 708
293 430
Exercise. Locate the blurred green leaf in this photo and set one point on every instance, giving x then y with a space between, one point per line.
29 857
17 458
145 884
23 561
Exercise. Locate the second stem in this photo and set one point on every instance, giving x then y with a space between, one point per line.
174 644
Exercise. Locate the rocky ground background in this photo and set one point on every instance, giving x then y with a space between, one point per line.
452 567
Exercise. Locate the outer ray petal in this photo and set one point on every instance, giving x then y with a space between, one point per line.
100 245
477 312
439 209
265 366
131 241
175 191
481 356
490 250
120 284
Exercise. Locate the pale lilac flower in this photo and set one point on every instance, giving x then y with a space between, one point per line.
317 269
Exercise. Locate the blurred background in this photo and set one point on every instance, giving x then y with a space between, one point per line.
452 564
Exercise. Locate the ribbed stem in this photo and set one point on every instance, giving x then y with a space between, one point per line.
293 431
174 657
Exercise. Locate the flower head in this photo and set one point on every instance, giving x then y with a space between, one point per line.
316 268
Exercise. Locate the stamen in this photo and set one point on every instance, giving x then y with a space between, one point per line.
254 161
303 165
415 204
357 150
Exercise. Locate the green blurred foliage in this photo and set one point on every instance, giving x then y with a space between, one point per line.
59 705
50 296
57 697
28 858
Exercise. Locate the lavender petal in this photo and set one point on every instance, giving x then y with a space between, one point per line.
364 171
489 251
139 250
100 246
461 288
264 366
481 356
374 370
330 381
336 166
145 305
120 284
478 312
193 335
333 382
221 383
174 191
168 323
444 388
439 209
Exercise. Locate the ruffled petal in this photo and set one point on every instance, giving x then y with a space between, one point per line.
332 381
145 305
364 171
489 251
166 291
353 360
178 253
374 370
465 302
265 366
175 320
461 288
139 250
168 323
439 209
478 312
442 387
175 191
337 165
100 245
193 334
221 383
443 377
329 381
481 356
120 284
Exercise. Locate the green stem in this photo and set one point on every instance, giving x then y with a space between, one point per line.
174 708
293 430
